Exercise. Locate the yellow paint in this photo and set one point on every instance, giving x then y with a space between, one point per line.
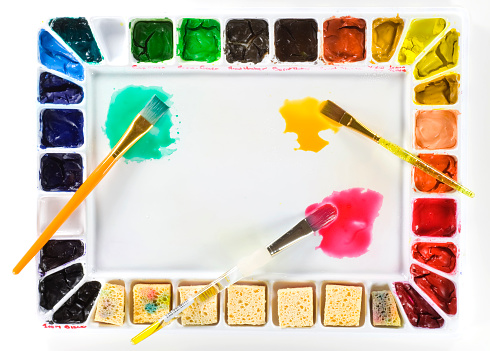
303 117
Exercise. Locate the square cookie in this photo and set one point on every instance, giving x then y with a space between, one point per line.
295 307
110 305
151 302
246 305
199 313
342 305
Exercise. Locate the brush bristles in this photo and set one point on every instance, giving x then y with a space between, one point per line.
154 110
332 111
322 216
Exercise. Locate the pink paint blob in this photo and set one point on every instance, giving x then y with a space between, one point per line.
351 233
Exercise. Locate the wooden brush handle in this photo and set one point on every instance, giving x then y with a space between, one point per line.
75 201
425 167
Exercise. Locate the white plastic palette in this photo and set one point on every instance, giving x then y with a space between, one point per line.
235 182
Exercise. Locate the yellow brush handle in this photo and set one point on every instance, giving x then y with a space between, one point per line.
75 201
417 162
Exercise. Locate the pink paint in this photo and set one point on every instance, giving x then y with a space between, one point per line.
351 233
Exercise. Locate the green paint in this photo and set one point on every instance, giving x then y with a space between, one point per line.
77 34
441 57
152 41
420 34
200 40
125 106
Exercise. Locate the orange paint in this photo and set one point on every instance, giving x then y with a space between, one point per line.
303 117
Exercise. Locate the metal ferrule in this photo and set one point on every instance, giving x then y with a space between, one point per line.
139 127
349 121
298 232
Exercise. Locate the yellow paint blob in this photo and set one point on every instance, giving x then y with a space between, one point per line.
303 117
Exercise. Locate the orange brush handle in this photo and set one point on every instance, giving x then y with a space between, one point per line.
75 201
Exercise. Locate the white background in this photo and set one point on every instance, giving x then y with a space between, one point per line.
19 327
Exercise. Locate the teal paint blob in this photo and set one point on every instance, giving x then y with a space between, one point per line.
124 107
151 307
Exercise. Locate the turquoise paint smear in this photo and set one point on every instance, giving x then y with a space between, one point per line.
124 107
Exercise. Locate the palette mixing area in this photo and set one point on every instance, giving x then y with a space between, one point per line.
427 47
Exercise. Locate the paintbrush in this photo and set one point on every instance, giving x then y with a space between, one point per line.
316 220
334 112
141 124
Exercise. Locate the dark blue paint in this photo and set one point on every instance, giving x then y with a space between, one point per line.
61 172
61 128
54 56
56 90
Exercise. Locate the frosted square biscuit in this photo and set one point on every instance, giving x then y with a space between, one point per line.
150 302
110 305
246 305
342 305
385 312
295 307
199 313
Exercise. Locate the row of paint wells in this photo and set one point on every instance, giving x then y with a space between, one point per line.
292 303
247 41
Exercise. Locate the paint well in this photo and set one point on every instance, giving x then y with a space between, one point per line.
199 40
152 41
57 90
55 56
386 35
436 129
77 34
440 58
296 40
434 217
77 308
420 314
351 233
247 40
441 256
440 91
61 128
344 39
124 107
427 183
420 34
59 252
111 35
441 290
61 172
50 206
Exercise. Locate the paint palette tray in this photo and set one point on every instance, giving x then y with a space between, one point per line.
230 180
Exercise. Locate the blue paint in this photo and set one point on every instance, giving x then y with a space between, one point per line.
57 90
151 307
61 128
61 172
54 56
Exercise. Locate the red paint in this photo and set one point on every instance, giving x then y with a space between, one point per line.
434 217
344 39
441 290
444 163
351 233
441 256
